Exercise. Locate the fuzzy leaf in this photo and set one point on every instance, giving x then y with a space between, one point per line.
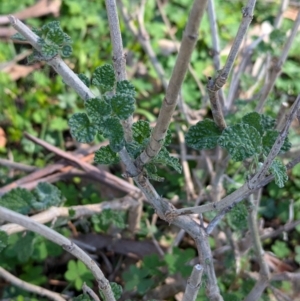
241 141
269 139
18 36
151 171
141 131
116 289
278 170
81 128
55 36
47 196
18 199
51 25
82 297
66 51
106 156
134 149
97 109
164 158
122 105
168 138
84 79
203 135
49 51
3 240
112 129
25 246
267 122
253 119
125 87
104 78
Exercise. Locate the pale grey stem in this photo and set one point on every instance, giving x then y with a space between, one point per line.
170 101
216 220
264 273
283 6
66 244
70 78
53 213
90 292
119 58
193 284
276 67
30 287
215 84
215 42
253 183
16 165
212 288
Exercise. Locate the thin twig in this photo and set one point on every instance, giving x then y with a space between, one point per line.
89 291
119 58
30 287
16 165
276 67
170 101
66 244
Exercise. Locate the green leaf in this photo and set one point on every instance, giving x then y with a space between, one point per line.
25 246
49 51
66 51
203 135
280 248
81 128
267 122
3 240
18 199
141 131
253 119
125 87
116 289
104 78
151 171
269 139
241 141
84 79
237 217
109 217
106 156
18 36
123 105
82 297
164 158
47 196
278 170
112 129
54 36
134 149
97 109
48 26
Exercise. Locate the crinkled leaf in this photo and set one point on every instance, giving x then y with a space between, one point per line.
164 158
278 170
203 135
81 128
47 196
50 25
3 240
168 138
134 149
241 141
67 39
267 122
269 139
104 78
97 109
141 131
84 79
82 297
18 36
54 36
122 105
253 119
237 217
112 129
116 289
49 51
66 51
106 156
125 87
151 171
18 199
